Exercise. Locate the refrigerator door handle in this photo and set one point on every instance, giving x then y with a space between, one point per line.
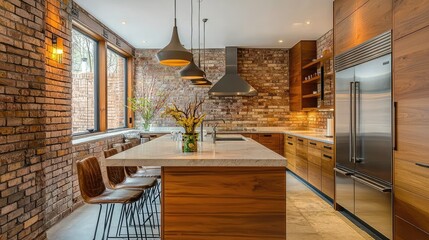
351 143
356 96
342 172
372 185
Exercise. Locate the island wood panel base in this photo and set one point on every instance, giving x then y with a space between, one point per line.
228 203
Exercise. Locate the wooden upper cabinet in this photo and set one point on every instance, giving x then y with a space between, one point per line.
371 19
300 55
409 16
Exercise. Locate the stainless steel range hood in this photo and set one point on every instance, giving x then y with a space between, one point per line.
232 84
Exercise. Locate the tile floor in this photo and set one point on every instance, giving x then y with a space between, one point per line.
308 217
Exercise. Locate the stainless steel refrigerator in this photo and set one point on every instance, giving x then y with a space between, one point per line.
363 101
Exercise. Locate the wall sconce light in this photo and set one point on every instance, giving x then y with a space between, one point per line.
57 49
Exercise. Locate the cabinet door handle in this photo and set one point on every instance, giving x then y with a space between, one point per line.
326 156
300 140
312 143
290 143
395 126
422 165
327 147
289 137
268 135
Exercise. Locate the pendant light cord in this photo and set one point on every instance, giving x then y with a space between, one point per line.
199 33
192 25
204 42
175 17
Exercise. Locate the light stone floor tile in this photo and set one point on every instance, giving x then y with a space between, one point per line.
308 217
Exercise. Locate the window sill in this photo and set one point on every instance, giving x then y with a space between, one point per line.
99 135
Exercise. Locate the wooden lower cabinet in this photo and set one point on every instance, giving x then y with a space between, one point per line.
273 141
228 203
314 171
406 231
313 161
328 177
301 158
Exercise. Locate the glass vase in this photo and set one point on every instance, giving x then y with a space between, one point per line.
190 142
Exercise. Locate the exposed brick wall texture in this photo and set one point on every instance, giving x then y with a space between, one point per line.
265 69
35 130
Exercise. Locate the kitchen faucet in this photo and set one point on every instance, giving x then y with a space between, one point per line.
214 128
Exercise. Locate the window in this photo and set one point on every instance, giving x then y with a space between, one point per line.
116 90
84 85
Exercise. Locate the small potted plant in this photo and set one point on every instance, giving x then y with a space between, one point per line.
189 118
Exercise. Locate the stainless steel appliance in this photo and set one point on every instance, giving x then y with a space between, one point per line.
363 100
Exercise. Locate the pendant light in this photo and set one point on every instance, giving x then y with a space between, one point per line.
174 54
192 71
203 81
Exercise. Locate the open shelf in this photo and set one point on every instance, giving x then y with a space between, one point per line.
317 61
311 95
311 79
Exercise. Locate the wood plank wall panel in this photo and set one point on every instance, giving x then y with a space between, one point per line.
409 16
344 8
411 92
370 20
224 203
295 92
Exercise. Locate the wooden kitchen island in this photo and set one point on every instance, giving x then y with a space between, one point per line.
229 190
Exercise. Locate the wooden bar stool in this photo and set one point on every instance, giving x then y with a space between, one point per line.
94 191
118 180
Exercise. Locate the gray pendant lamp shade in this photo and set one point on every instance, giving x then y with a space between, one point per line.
192 71
174 54
201 82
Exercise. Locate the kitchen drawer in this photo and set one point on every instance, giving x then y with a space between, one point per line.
405 231
314 151
301 151
291 161
314 144
269 138
328 184
327 148
301 167
412 207
290 147
290 138
301 141
411 177
317 160
315 175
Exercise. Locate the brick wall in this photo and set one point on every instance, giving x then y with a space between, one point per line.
265 69
35 136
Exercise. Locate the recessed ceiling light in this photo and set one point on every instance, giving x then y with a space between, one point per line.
297 24
280 41
307 22
123 22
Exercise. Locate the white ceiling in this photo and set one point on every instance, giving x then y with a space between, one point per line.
243 23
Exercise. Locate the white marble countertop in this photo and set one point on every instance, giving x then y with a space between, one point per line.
309 134
164 151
